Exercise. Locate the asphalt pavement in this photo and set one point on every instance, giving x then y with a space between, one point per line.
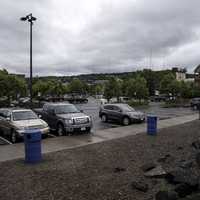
92 108
9 152
155 108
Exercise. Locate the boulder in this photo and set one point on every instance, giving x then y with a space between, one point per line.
180 175
197 158
157 172
166 195
139 185
148 166
183 190
186 164
196 144
164 158
119 169
192 197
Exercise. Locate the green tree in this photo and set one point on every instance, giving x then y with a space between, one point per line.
77 86
113 88
165 82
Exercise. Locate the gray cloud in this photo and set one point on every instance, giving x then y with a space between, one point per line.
99 35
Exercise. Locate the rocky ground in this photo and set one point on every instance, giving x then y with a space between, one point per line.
141 167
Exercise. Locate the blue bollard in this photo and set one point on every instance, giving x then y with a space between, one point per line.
151 125
32 142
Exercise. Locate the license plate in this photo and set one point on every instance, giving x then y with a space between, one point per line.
83 129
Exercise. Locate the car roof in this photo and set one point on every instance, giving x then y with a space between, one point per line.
15 109
57 103
115 104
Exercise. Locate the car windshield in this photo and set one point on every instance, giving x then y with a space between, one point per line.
24 115
127 108
64 109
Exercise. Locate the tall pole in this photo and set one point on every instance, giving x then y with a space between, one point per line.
30 19
31 72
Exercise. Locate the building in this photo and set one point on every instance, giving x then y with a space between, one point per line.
180 73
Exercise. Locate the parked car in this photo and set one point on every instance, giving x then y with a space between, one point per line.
14 123
64 118
124 99
103 101
122 113
195 102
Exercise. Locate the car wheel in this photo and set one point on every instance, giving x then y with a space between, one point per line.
60 130
126 121
104 118
13 136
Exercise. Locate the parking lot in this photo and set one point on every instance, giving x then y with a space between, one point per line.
92 109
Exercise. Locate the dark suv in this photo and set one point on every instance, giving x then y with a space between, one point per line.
122 113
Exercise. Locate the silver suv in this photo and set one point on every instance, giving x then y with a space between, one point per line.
15 121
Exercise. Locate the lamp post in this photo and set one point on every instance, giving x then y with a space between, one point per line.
30 19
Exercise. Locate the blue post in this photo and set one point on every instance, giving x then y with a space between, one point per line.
32 142
151 125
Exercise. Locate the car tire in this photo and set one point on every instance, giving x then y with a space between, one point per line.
60 130
104 118
13 136
126 121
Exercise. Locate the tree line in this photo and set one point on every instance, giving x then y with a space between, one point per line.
138 85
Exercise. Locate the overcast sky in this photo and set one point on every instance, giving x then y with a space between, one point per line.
94 36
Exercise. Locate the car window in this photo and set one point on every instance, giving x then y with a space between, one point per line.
24 115
115 108
108 107
64 109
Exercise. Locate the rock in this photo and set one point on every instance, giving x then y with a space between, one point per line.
186 164
141 186
148 166
179 148
166 195
197 158
157 172
183 190
192 197
164 158
180 175
119 169
196 144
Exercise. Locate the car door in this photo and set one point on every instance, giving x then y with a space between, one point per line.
116 113
107 109
52 118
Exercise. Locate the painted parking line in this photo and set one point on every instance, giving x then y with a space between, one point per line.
7 141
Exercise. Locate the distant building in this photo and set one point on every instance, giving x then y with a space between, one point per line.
180 73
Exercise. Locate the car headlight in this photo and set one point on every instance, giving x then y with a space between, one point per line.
45 124
20 128
68 121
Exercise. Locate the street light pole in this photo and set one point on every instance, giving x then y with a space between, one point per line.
30 19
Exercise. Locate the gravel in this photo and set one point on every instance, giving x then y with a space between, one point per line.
89 173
